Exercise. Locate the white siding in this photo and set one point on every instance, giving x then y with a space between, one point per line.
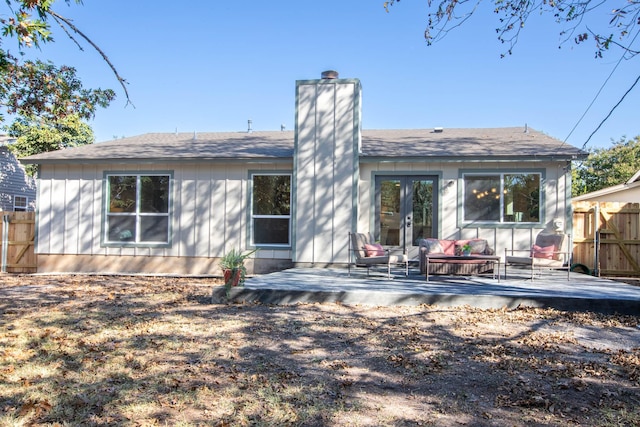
327 124
555 186
209 210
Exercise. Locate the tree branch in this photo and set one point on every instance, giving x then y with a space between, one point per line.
64 23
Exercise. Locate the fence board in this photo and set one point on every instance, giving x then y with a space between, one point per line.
606 237
20 242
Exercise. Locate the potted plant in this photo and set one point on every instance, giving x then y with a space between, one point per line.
233 268
466 249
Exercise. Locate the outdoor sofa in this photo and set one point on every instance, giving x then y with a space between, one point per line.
454 247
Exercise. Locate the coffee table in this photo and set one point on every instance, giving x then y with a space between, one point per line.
488 259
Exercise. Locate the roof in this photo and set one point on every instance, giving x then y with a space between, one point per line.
633 182
413 144
6 140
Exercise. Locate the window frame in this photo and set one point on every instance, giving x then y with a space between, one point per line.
252 216
17 208
501 175
105 242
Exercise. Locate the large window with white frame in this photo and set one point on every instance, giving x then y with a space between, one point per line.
271 209
137 208
502 197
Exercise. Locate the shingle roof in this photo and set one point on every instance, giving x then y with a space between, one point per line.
453 144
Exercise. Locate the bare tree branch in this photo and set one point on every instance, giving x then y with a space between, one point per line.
64 23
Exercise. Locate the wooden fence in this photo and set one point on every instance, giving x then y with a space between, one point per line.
17 236
606 238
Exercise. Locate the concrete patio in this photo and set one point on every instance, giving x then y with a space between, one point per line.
334 285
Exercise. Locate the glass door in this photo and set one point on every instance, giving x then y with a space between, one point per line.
406 211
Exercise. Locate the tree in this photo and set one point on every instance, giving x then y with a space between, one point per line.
29 88
623 22
35 88
606 167
36 135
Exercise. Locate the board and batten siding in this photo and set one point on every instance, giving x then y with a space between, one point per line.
326 150
556 186
209 206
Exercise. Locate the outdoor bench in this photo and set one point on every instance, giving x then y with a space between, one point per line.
451 260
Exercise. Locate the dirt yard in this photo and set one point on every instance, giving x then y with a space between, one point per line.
135 351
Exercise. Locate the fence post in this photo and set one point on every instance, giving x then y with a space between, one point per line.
5 241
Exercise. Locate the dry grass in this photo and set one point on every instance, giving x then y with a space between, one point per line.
130 351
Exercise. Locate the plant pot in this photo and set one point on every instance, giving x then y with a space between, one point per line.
466 253
232 277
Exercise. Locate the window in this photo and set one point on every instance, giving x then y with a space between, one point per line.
137 209
271 209
20 203
505 198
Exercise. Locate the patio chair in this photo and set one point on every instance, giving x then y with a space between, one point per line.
550 251
365 252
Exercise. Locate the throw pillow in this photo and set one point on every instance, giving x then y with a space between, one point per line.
374 249
433 246
448 246
542 251
478 246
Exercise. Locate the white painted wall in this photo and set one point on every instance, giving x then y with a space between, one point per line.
325 168
209 210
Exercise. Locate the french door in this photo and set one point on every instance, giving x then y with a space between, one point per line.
406 211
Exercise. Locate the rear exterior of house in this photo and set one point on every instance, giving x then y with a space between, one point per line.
175 203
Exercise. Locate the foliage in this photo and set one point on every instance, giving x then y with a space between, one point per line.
606 167
28 21
272 194
34 136
621 21
36 88
232 265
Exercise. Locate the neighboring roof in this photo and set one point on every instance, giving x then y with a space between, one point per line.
413 144
634 178
632 183
6 140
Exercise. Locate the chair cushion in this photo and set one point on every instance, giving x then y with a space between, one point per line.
544 239
374 249
543 252
358 240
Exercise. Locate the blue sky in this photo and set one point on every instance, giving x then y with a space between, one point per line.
211 66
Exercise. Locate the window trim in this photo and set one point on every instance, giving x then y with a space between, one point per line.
24 208
251 216
104 231
501 173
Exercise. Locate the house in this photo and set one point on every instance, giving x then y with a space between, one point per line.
629 192
175 203
17 189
